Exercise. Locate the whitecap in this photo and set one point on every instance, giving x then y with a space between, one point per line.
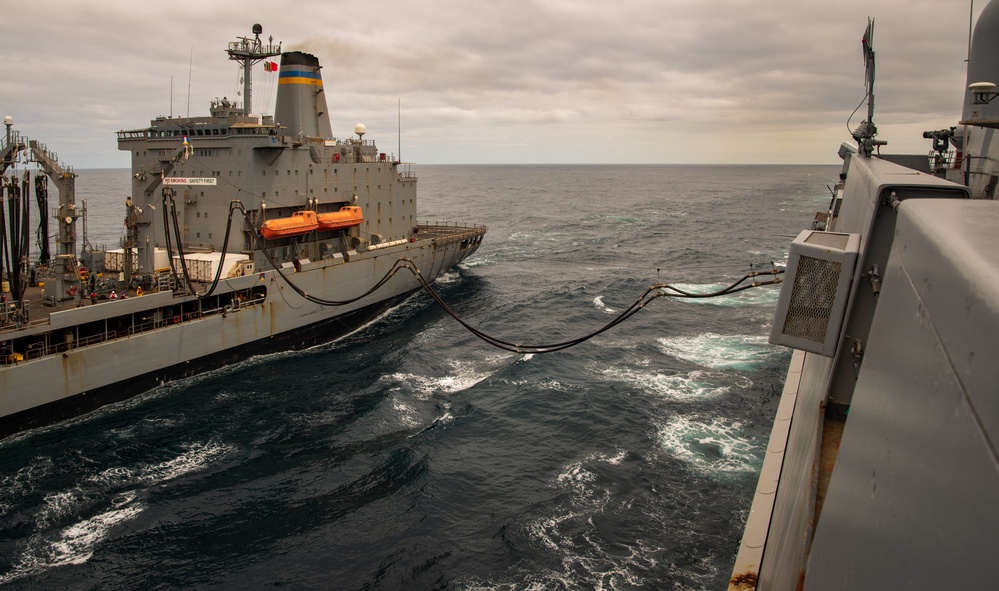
578 477
463 376
197 457
75 544
710 445
599 303
405 412
730 352
449 277
58 505
695 385
557 386
584 555
477 261
22 482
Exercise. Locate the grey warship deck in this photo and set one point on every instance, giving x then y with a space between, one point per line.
882 468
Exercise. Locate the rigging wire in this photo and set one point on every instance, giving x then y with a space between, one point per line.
651 293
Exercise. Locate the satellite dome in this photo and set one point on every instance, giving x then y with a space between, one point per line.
360 129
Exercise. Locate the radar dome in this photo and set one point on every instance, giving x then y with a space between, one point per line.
360 129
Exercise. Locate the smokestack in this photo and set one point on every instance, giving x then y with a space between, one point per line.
301 102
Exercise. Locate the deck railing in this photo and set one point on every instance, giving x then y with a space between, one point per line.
37 352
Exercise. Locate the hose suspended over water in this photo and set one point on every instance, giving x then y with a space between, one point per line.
651 293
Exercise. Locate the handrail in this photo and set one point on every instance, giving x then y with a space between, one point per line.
108 336
445 224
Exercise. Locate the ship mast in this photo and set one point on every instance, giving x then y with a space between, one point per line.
250 52
864 134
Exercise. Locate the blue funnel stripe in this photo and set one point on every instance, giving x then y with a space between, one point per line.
300 77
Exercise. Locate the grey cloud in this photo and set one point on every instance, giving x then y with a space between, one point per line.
490 73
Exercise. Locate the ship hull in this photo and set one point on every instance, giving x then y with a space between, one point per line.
58 386
292 340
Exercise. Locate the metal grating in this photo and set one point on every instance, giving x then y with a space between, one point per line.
815 285
812 304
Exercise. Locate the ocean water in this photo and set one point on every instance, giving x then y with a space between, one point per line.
410 454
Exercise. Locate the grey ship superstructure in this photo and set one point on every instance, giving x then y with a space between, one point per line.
213 289
882 470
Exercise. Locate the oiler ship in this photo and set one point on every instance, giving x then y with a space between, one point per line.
245 233
882 469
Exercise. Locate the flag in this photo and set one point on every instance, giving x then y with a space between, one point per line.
867 41
270 67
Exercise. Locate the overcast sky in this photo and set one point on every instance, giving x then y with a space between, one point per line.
519 81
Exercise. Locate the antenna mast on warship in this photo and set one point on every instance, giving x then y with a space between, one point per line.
864 134
250 52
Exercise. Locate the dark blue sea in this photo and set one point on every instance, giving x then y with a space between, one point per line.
412 455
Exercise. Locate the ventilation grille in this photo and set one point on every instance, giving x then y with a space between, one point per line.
813 297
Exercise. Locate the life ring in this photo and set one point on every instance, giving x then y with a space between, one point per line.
176 319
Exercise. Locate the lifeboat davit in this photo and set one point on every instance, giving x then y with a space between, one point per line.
348 217
300 222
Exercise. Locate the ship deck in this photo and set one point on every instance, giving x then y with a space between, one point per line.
447 232
832 435
39 311
812 456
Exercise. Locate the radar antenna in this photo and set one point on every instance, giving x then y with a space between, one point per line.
250 52
864 134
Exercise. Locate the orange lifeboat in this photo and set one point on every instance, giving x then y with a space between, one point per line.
300 222
348 217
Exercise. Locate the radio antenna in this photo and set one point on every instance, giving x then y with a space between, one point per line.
190 68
